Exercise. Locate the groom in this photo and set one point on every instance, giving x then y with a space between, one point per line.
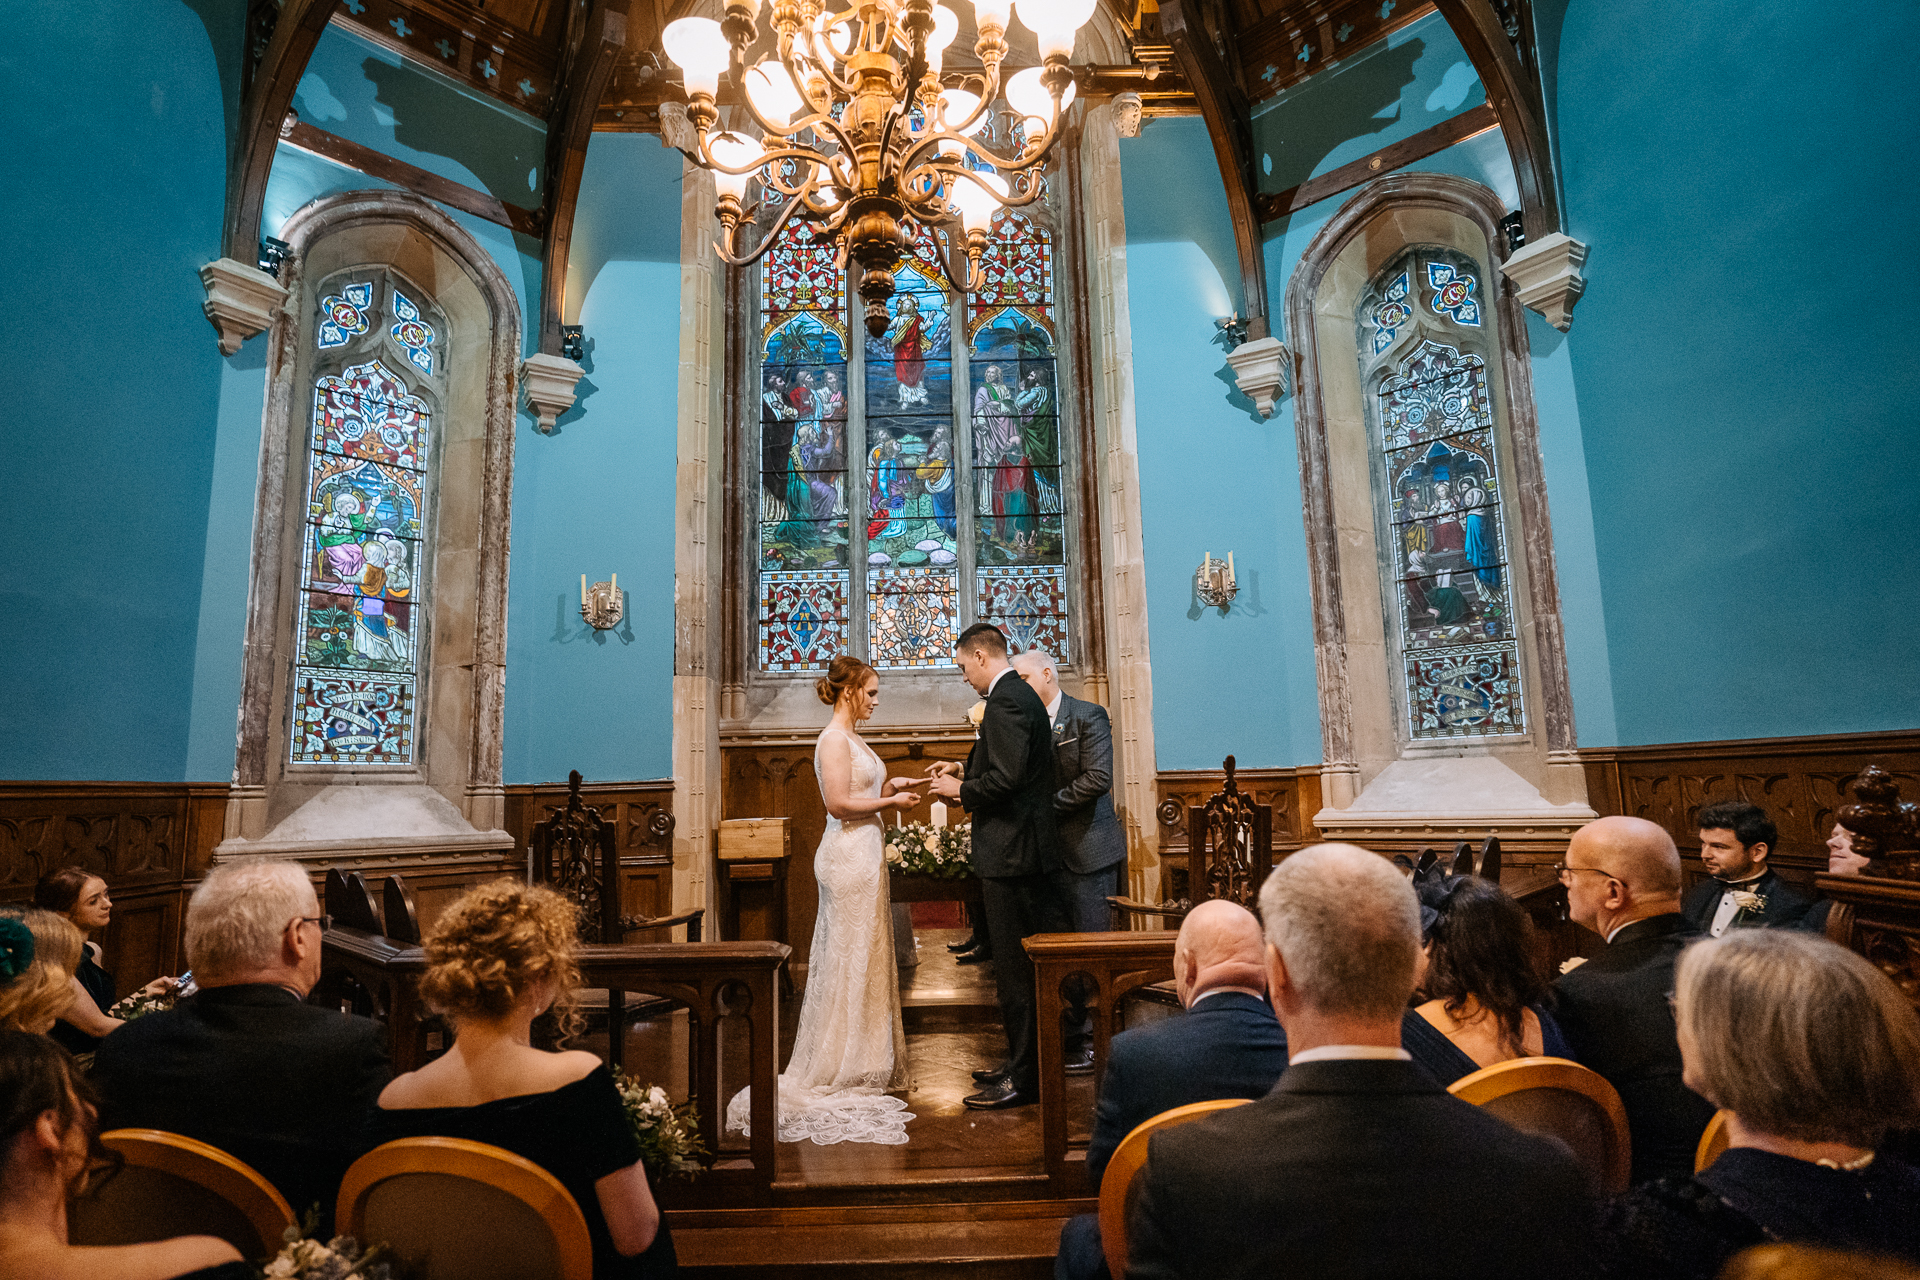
1007 791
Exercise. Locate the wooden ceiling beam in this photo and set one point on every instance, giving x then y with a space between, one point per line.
269 94
1229 124
1514 95
568 133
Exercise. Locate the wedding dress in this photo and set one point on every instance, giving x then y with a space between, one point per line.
850 1047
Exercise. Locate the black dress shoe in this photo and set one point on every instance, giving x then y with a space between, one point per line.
971 944
990 1075
974 957
1081 1063
1001 1096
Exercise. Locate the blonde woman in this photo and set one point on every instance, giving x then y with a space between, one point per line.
497 959
41 990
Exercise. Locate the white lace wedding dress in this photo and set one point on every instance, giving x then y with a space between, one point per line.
850 1047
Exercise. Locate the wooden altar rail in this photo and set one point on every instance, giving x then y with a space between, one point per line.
1117 963
713 981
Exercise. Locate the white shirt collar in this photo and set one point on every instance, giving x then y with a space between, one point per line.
1221 991
1004 672
1053 708
1343 1052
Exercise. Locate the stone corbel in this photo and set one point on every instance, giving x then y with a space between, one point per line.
1545 275
548 382
1260 369
241 300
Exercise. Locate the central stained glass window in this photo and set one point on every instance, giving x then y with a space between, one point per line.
363 588
911 483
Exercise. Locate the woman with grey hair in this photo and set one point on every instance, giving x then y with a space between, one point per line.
1813 1052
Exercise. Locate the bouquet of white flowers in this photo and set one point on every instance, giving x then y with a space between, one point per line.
340 1258
669 1136
920 849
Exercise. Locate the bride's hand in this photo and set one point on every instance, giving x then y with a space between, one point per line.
902 784
906 799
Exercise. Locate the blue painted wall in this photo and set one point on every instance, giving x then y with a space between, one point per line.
1746 401
597 496
115 394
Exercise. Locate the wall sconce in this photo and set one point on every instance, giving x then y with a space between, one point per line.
601 605
1213 582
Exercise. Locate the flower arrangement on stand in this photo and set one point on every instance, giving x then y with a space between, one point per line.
669 1136
921 849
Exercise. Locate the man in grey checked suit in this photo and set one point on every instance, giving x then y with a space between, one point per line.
1093 848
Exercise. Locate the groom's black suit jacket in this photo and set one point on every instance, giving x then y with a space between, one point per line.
1008 788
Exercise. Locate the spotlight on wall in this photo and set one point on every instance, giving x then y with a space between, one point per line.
601 604
272 254
573 342
1214 583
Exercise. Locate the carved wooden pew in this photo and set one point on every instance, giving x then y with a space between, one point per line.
1114 964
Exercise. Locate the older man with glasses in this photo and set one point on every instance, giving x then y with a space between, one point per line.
245 1064
1623 882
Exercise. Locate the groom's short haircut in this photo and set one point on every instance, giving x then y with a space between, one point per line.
982 635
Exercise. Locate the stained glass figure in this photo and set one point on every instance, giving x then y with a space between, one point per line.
362 589
912 516
912 618
1029 605
803 619
1453 293
1016 445
412 332
343 315
1446 539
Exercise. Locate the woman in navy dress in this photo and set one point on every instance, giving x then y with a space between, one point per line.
1487 1000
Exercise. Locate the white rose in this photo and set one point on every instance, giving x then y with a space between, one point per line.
657 1096
932 843
976 713
893 854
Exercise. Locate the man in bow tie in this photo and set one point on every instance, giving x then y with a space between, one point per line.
1735 839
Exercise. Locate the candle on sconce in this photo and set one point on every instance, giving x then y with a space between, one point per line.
939 815
583 590
1229 568
613 587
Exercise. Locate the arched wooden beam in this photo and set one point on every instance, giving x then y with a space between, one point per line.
269 93
1515 98
1230 125
568 133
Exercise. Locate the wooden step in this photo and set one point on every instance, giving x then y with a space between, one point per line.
1009 1240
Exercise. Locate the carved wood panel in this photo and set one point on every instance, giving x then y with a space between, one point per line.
1294 794
641 814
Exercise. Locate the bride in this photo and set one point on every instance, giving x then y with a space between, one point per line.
850 1047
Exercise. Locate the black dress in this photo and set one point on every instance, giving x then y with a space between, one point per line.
578 1133
1446 1062
99 984
1682 1228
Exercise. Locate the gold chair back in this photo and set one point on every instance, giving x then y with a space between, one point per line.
1713 1141
173 1185
1123 1170
1563 1100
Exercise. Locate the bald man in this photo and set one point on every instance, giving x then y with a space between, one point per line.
1623 882
1229 1045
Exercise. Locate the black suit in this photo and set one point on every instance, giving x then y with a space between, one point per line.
1614 1012
1227 1046
1786 906
1358 1168
282 1085
1092 845
1008 795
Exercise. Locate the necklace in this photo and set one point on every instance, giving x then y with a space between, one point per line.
1851 1166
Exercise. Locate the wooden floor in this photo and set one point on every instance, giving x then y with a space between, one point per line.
966 1195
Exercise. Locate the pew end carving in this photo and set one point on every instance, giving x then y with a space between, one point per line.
1229 853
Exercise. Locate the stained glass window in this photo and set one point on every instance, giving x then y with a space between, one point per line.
363 582
1443 509
957 467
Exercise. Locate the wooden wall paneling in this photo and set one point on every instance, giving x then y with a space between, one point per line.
144 938
642 815
1293 793
1798 781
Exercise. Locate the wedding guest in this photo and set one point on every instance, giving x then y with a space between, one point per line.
1811 1049
245 1064
1487 999
81 897
1745 893
497 959
1334 1172
1623 882
1229 1045
1841 861
41 952
49 1145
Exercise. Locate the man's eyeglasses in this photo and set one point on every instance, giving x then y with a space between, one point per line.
325 922
1566 873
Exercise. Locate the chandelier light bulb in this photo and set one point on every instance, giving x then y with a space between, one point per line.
977 206
772 92
699 49
960 104
946 25
991 13
1026 95
735 152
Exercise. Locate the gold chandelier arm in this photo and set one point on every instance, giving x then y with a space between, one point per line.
952 257
779 225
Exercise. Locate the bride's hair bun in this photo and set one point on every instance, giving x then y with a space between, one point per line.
843 673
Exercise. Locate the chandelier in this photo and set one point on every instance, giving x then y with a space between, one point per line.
860 131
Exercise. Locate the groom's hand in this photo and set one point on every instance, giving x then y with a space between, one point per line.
946 786
943 768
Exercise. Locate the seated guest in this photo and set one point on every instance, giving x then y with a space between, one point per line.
49 1144
1356 1163
81 897
1623 882
1487 997
1811 1049
1229 1045
40 952
244 1064
501 956
1841 861
1745 893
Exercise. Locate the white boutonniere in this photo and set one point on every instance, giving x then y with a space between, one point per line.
977 712
1571 963
1748 900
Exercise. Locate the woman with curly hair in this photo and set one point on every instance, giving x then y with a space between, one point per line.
1486 997
49 1149
497 959
38 965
